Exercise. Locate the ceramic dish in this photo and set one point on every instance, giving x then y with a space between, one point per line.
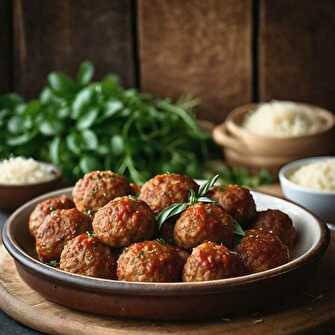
319 202
169 301
13 196
309 145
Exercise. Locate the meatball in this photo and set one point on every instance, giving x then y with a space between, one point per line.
210 261
57 228
123 221
278 223
203 222
135 189
97 188
262 251
86 255
44 208
167 230
164 190
150 261
236 200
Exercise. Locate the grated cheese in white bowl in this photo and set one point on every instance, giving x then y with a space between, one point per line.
319 175
284 119
21 171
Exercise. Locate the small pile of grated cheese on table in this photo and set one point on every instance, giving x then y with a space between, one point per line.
317 176
21 171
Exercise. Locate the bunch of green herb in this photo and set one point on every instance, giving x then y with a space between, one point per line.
238 175
82 126
194 197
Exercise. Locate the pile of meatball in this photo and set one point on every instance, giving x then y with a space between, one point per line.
109 230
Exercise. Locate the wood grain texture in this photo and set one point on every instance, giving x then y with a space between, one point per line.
59 35
202 48
5 46
297 51
312 313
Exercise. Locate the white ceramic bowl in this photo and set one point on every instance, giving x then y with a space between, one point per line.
320 203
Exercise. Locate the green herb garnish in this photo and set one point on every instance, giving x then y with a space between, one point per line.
193 198
90 233
53 263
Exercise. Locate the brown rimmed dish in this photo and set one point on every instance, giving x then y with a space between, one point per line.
170 301
13 196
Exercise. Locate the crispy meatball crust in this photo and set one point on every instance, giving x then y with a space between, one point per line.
86 255
164 190
57 228
150 261
123 221
262 251
210 261
278 223
203 222
236 200
44 208
97 188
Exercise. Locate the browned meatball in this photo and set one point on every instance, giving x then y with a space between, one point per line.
262 251
97 188
164 190
236 200
203 222
44 208
278 223
123 221
86 255
210 261
57 228
135 189
150 261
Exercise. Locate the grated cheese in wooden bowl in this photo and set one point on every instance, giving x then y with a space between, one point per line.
284 119
20 171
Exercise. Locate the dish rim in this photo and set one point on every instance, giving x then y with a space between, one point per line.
156 289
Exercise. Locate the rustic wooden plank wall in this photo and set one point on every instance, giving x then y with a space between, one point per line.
226 52
58 35
198 47
297 51
5 46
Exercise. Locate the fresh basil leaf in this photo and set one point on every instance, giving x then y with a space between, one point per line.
21 139
111 108
117 145
167 213
89 163
15 125
85 73
51 127
238 230
61 83
83 99
205 187
89 139
54 150
87 119
73 143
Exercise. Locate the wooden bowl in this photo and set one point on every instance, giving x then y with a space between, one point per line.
170 301
13 196
231 134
